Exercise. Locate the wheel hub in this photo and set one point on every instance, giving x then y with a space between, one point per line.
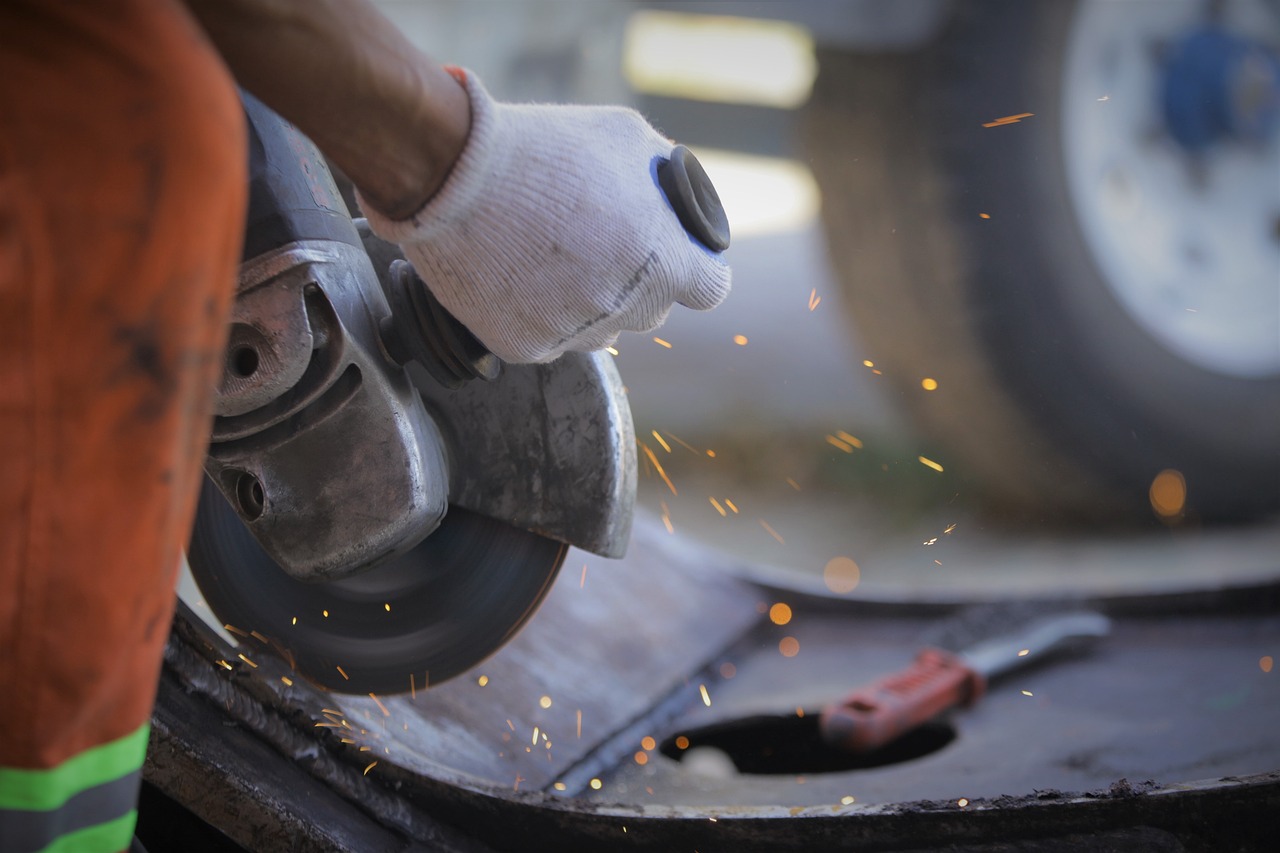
1218 86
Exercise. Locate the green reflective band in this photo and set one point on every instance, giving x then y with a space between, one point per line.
41 790
104 838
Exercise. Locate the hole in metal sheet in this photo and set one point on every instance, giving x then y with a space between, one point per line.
792 744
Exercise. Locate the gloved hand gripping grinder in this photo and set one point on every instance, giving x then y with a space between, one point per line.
377 515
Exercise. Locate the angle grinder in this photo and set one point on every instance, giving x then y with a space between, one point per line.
385 503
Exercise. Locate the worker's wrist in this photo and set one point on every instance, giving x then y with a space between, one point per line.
414 160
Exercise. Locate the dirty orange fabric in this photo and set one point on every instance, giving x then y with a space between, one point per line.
122 194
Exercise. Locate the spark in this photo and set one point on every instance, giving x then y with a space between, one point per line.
343 673
929 463
706 697
233 629
372 764
387 607
519 779
381 707
771 531
560 786
682 742
814 299
579 723
295 620
849 439
583 582
647 742
224 665
641 758
711 454
740 340
847 801
962 802
932 541
929 384
732 507
715 503
544 702
984 215
666 517
287 681
1024 652
1027 693
1265 663
658 467
511 725
714 820
1013 119
780 614
1105 98
482 680
937 562
660 342
789 647
660 440
611 350
534 739
326 613
866 362
841 575
686 445
950 527
792 483
413 687
258 637
1168 493
246 660
839 444
800 712
596 784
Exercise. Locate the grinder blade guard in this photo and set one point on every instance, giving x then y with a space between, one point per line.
348 429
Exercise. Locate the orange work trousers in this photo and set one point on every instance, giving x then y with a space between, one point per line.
122 196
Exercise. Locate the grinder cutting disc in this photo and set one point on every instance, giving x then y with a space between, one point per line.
430 614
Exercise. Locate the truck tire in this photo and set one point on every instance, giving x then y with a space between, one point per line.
969 255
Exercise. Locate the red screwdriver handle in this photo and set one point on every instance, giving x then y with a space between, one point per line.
879 712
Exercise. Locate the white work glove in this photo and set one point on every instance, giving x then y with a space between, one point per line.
551 233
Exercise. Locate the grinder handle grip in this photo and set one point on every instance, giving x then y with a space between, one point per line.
694 199
884 710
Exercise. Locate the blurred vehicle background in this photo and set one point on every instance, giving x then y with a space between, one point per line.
1007 276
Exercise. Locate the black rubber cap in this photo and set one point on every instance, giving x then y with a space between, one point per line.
695 200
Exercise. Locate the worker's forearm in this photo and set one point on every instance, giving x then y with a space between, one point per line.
384 113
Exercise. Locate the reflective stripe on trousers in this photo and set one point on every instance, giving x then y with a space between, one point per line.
87 803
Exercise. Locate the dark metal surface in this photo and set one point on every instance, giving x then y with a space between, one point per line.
1163 738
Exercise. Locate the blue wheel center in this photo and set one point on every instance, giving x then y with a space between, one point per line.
1218 86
